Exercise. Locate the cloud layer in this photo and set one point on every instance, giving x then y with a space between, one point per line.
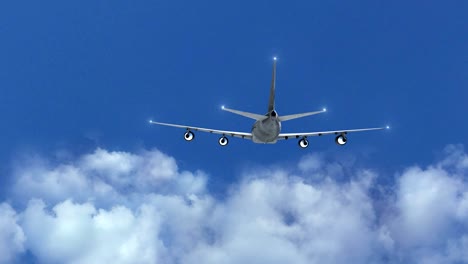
119 207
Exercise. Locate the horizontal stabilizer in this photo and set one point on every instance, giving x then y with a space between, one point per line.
246 114
295 116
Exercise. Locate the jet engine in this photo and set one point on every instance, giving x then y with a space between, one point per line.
341 140
189 136
223 141
303 143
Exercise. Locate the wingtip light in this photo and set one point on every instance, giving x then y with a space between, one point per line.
222 107
324 109
274 58
387 127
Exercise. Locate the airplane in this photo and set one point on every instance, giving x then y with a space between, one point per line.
267 127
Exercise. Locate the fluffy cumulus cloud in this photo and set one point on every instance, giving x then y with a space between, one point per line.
120 207
11 235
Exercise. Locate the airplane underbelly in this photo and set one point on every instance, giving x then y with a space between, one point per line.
265 132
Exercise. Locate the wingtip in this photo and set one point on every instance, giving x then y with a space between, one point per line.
324 109
222 107
275 58
387 127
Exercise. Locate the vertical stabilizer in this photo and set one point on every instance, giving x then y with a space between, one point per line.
271 104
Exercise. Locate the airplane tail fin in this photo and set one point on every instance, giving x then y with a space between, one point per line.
295 116
246 114
271 104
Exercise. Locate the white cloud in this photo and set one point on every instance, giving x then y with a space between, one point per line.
140 208
105 177
455 158
311 163
283 219
80 233
427 201
316 167
148 168
11 235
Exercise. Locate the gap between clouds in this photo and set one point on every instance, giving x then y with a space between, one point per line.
122 207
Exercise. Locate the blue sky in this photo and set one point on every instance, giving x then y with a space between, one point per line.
78 76
71 72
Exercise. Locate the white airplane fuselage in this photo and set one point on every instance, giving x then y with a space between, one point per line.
266 131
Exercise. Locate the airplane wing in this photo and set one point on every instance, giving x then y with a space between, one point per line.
335 132
244 135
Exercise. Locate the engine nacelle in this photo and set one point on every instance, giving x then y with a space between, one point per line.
189 136
341 140
303 143
223 141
